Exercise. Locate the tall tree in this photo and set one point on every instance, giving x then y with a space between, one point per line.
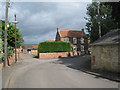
115 11
11 35
104 18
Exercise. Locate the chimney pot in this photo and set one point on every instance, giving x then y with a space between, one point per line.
58 28
82 30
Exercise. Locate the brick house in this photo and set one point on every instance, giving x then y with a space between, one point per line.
77 39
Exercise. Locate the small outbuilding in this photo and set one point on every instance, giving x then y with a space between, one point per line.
105 52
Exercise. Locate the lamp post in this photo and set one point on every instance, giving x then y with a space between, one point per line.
15 22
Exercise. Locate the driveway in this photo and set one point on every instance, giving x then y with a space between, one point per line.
30 72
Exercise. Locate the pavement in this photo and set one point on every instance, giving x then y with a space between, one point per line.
30 72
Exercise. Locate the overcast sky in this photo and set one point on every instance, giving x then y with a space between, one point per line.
38 20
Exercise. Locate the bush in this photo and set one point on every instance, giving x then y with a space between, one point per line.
57 46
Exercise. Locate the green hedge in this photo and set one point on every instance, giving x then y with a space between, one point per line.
57 46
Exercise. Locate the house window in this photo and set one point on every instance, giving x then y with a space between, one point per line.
75 48
66 39
82 40
74 40
82 47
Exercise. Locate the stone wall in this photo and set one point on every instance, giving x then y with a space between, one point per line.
105 58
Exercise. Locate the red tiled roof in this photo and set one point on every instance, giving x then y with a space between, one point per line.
35 46
50 40
71 33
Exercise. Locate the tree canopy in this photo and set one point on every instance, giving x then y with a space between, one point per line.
115 11
104 18
11 35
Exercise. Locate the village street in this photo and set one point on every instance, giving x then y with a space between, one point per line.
31 72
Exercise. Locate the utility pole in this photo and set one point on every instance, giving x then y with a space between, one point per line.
15 22
15 40
5 33
99 22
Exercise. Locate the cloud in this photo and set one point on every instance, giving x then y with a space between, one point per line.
38 20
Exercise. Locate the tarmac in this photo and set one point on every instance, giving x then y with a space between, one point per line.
84 67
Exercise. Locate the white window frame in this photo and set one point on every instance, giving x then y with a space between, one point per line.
75 48
74 40
82 40
82 48
66 39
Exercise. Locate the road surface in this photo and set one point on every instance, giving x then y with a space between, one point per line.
52 73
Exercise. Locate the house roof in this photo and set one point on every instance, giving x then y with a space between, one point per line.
30 46
50 40
112 37
35 46
71 33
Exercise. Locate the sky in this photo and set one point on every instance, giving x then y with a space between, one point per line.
38 20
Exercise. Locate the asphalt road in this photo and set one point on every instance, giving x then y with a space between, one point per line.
53 73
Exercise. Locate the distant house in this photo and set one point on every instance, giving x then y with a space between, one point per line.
75 37
105 52
30 48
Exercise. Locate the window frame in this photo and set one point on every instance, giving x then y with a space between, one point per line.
74 40
66 39
82 40
82 47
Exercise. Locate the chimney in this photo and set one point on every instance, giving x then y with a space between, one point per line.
58 28
83 30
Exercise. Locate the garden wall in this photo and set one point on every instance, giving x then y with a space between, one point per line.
34 51
56 55
59 54
53 55
11 60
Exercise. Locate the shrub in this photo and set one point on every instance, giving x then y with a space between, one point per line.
57 46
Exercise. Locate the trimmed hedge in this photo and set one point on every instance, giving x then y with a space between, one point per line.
57 46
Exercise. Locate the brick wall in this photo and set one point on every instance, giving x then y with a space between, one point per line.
18 50
53 55
24 51
34 51
59 54
11 60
